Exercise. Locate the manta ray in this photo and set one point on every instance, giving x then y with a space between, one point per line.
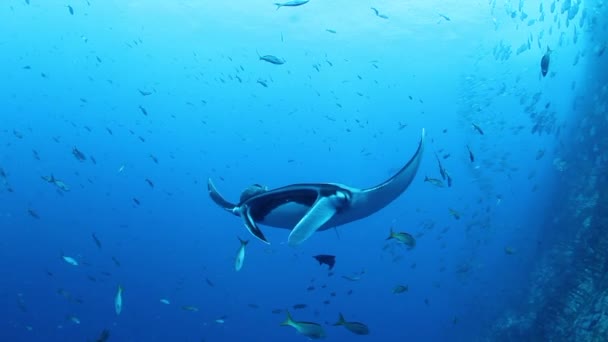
310 207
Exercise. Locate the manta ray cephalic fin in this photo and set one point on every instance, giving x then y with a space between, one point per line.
219 199
251 226
322 211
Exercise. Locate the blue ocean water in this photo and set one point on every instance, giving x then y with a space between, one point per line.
159 96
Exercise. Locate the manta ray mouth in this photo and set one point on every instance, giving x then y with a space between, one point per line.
266 205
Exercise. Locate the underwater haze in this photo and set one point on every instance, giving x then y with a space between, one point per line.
116 114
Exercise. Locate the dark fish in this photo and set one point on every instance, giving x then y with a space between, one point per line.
136 201
544 62
477 128
116 262
471 155
540 154
400 289
292 3
253 306
104 336
263 83
209 282
378 13
445 17
149 183
144 93
78 154
154 159
300 306
329 260
143 110
454 213
402 237
97 242
71 10
354 327
33 214
441 169
309 329
272 59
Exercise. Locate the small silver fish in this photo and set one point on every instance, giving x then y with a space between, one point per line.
240 255
436 182
118 300
69 260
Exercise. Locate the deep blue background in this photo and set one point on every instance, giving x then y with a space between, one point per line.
340 123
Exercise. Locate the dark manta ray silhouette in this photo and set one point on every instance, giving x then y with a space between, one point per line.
329 260
307 208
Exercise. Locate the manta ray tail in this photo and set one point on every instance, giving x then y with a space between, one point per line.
218 199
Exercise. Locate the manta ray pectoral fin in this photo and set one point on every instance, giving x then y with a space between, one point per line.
251 226
322 211
218 199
